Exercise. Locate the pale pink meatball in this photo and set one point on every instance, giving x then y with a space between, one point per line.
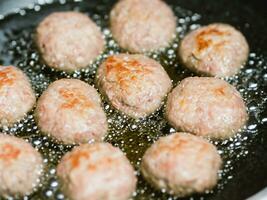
70 111
181 164
142 25
207 107
69 41
16 95
134 84
20 167
96 171
215 50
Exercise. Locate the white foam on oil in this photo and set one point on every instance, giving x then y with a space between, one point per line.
132 136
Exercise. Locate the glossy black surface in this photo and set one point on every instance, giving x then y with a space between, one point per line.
248 168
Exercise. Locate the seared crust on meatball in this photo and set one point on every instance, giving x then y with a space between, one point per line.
134 84
16 95
70 111
69 41
20 166
207 107
215 50
181 164
142 25
96 171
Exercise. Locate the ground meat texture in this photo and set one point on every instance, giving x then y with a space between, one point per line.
142 25
207 107
96 171
20 167
69 41
182 164
70 111
134 84
16 95
214 50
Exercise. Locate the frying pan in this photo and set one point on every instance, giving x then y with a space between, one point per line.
245 156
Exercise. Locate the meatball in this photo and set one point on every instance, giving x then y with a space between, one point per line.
70 111
206 107
69 40
134 84
20 167
96 171
181 164
16 95
214 50
138 27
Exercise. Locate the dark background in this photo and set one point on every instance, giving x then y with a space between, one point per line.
250 172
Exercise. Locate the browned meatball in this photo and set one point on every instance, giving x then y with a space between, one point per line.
181 164
207 107
96 171
215 50
69 40
142 25
20 167
134 84
70 111
16 95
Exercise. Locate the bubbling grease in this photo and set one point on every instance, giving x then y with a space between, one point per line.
132 136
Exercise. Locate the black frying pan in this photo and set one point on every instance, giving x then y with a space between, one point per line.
245 156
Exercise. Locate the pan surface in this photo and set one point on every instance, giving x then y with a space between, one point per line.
245 156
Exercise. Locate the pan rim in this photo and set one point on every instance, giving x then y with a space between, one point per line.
13 6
